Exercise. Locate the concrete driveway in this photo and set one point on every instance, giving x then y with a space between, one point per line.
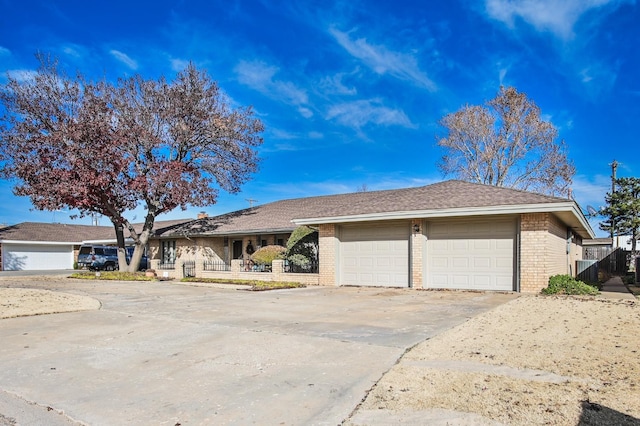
168 354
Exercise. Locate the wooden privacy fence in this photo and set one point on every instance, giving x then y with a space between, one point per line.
614 261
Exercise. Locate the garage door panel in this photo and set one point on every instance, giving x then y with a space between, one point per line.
504 244
460 262
481 244
504 262
481 263
460 244
376 255
481 281
438 245
471 254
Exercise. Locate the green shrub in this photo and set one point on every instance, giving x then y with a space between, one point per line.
267 254
302 246
629 279
565 284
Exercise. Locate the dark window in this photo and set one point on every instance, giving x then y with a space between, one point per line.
98 251
263 243
85 250
237 249
280 241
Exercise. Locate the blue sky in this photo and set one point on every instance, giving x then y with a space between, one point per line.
351 92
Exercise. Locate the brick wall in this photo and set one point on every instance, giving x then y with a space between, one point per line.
327 254
418 248
533 244
543 251
557 258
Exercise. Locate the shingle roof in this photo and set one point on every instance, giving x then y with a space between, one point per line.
278 216
60 232
443 195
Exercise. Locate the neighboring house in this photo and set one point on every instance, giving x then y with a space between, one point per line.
51 246
451 235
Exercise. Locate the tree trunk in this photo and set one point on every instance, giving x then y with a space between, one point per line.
141 242
122 254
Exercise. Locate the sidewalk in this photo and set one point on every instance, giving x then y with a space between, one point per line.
615 289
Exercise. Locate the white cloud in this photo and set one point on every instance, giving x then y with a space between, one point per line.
283 134
260 76
178 65
124 58
359 113
22 76
334 85
305 112
384 61
4 51
557 17
591 190
315 135
75 50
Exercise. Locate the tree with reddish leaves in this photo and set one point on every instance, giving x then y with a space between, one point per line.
106 148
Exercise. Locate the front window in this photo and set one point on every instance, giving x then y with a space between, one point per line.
168 251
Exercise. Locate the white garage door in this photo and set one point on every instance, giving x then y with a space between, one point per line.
375 255
35 257
471 254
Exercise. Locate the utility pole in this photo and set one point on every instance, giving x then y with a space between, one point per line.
614 167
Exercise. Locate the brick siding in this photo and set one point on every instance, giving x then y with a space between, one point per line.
418 248
543 251
327 255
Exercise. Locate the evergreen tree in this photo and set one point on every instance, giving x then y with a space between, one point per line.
623 209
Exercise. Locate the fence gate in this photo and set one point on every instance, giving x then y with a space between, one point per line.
189 268
611 260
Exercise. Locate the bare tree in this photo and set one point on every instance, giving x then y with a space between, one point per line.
106 148
506 143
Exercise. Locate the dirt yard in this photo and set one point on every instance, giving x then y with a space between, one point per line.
535 360
19 302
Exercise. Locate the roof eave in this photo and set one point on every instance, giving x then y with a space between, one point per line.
575 219
41 243
127 240
225 233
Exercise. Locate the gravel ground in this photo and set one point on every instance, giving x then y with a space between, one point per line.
18 302
535 360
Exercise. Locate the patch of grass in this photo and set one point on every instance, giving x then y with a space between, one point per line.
112 276
275 285
565 284
254 285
